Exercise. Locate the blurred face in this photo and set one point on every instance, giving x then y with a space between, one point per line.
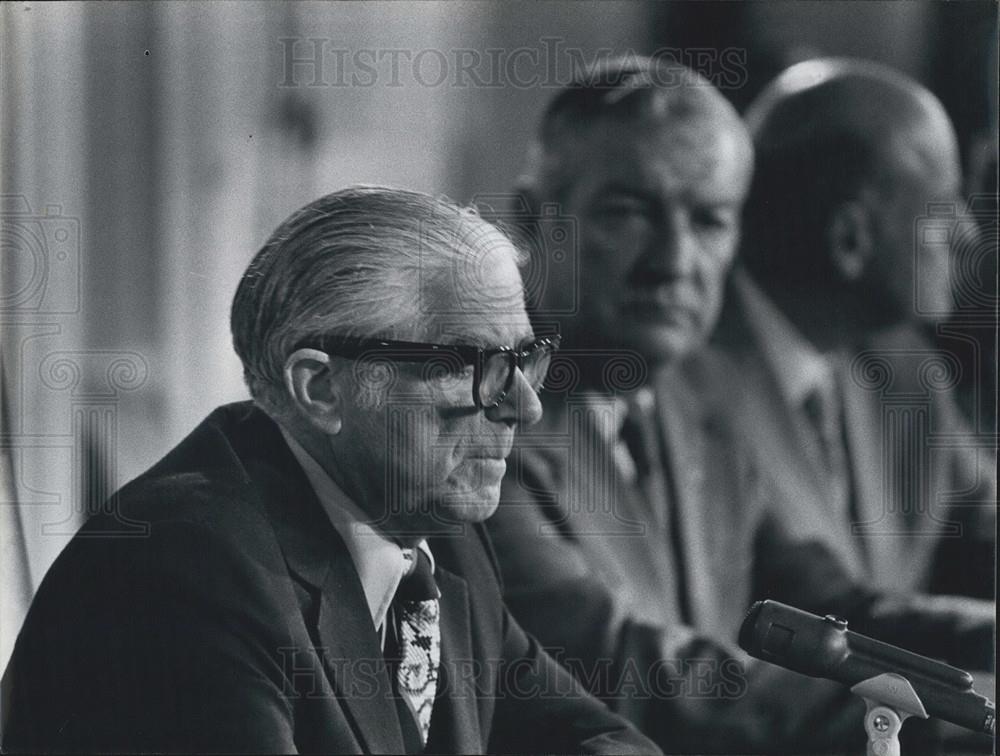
657 208
916 224
426 455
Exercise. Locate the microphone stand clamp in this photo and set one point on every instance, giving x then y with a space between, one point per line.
890 700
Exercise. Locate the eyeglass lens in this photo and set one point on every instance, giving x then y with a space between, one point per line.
498 373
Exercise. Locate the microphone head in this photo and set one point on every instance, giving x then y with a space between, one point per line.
824 647
748 629
792 638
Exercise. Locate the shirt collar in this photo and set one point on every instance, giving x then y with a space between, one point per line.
380 562
799 367
641 399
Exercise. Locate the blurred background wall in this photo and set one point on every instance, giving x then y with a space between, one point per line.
148 149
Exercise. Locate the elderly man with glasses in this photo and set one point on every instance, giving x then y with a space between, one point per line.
314 575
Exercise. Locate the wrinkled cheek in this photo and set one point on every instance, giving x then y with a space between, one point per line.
605 263
464 480
934 288
708 314
474 479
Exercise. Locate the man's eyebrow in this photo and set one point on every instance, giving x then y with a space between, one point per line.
486 343
624 190
479 340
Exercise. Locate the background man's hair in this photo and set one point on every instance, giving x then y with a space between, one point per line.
625 90
363 261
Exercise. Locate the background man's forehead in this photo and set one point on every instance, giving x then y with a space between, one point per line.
715 162
613 140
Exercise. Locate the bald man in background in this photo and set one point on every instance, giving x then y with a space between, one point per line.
848 240
846 237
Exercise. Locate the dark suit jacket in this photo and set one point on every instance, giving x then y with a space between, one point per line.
924 488
586 559
238 623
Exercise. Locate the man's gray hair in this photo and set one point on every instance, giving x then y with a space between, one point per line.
626 90
363 261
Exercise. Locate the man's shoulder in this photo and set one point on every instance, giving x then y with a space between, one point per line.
199 509
206 479
468 554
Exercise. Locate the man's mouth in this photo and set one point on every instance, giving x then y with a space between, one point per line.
490 468
497 453
663 304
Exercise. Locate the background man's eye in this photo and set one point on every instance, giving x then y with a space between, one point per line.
622 211
712 218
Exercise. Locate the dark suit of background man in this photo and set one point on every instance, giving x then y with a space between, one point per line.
638 518
848 238
314 575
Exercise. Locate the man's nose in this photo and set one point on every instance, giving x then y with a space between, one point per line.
672 249
521 405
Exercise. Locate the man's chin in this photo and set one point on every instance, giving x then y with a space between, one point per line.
470 508
470 498
662 345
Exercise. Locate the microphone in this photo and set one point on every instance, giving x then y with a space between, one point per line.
824 647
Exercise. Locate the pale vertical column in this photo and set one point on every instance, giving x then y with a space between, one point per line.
393 130
15 113
41 175
214 98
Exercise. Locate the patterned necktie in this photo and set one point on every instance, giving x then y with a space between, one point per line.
822 409
419 635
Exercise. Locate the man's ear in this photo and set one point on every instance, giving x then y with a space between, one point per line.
850 238
315 390
526 194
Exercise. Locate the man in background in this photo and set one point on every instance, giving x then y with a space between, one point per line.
849 233
638 521
315 576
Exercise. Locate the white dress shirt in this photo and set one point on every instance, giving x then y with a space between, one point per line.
799 367
381 563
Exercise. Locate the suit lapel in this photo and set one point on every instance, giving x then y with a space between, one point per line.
353 659
771 423
455 721
683 442
889 427
784 440
868 460
316 555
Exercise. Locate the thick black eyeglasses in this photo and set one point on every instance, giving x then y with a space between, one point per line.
493 369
